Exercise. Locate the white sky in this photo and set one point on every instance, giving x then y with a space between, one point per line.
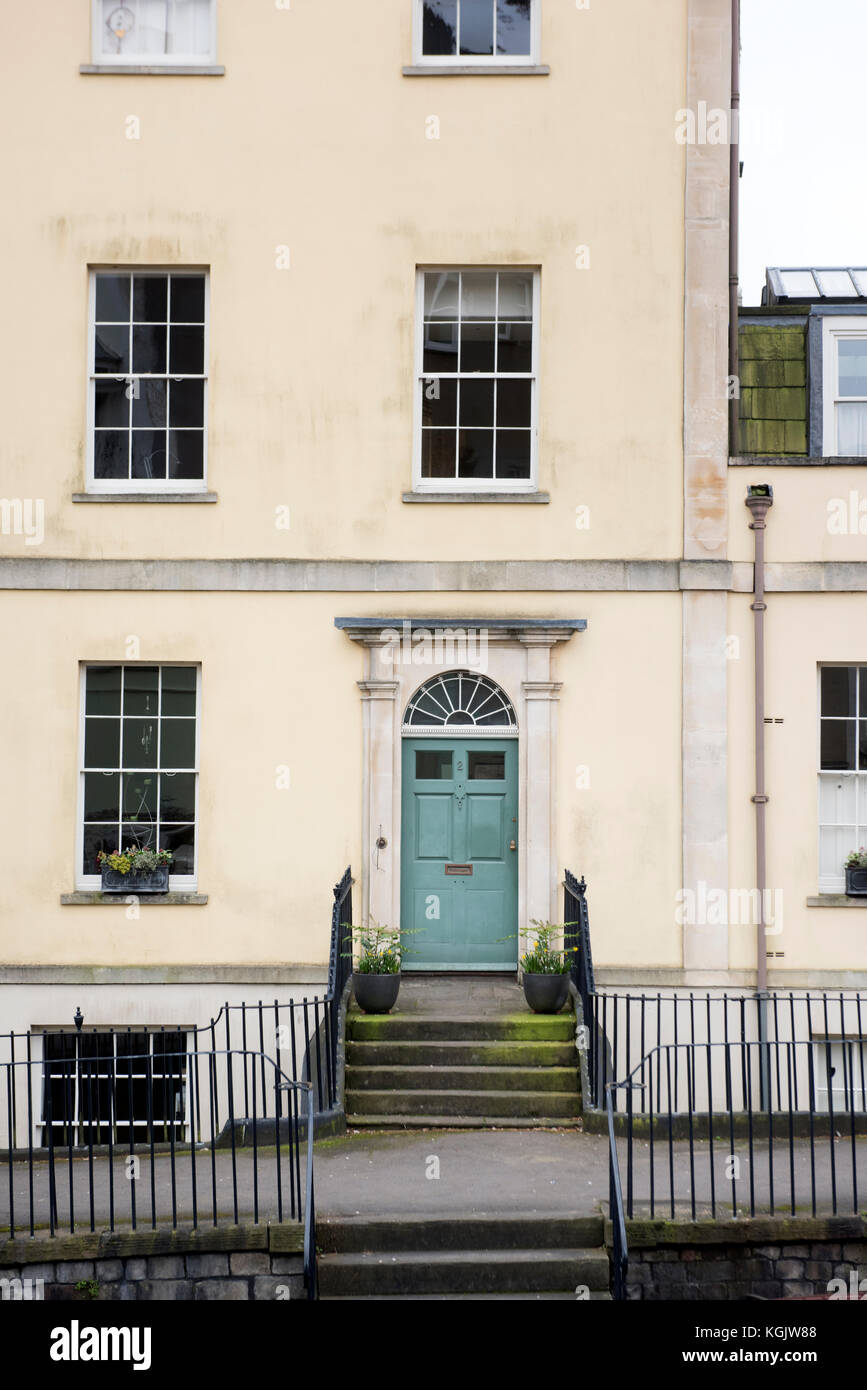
804 136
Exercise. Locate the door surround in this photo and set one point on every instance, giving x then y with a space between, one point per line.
398 659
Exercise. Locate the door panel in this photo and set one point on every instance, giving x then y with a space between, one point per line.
459 876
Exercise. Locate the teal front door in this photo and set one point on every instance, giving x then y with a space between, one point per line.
459 860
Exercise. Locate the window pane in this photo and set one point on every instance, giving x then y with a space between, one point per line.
139 796
140 689
487 767
101 742
96 838
179 690
476 454
111 350
514 403
433 765
101 796
111 454
478 294
148 403
837 800
439 401
838 744
187 351
438 451
477 403
149 348
140 834
102 690
186 454
514 348
477 26
440 347
477 347
149 454
188 299
852 360
178 743
513 454
852 430
441 294
112 298
513 26
515 294
834 845
181 840
838 691
150 298
439 27
188 403
139 743
151 27
177 796
110 403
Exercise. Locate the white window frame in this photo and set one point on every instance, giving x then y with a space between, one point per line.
133 485
474 60
121 1076
460 485
836 883
833 330
148 60
90 883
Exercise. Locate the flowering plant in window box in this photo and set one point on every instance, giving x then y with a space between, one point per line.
135 870
856 874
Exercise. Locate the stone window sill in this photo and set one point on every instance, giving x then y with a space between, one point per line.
477 70
836 900
144 497
537 498
140 70
796 461
97 899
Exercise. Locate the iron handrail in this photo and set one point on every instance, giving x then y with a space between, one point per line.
619 1243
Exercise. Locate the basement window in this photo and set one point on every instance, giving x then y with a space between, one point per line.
105 1087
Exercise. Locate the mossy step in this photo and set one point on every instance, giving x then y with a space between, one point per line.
387 1123
412 1078
470 1231
462 1271
397 1027
524 1103
461 1054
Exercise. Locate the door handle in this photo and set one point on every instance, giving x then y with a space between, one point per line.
512 844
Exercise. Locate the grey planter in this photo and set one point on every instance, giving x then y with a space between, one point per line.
156 881
545 994
375 994
856 883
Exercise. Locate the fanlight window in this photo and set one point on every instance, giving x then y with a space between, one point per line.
460 699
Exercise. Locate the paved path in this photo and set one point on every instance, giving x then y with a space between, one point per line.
481 1171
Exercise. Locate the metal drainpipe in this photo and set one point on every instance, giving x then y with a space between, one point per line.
734 213
759 500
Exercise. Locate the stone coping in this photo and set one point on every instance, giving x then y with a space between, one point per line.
748 1230
286 1238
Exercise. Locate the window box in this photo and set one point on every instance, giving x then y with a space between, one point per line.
154 33
154 881
856 883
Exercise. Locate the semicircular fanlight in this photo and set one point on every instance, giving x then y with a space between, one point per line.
460 699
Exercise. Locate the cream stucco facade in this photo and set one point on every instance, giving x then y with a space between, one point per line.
305 181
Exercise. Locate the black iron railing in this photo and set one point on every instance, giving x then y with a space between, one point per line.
125 1140
619 1245
622 1027
742 1148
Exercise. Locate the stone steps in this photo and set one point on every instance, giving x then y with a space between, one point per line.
419 1070
511 1256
